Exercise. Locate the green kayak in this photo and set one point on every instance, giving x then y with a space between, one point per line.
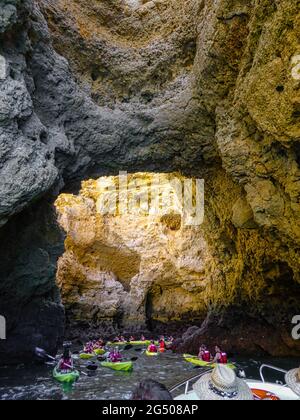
140 343
87 356
99 352
197 362
132 343
66 378
120 366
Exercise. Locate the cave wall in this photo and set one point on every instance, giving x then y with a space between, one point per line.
203 87
130 270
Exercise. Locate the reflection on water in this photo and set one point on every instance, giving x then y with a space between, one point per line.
36 382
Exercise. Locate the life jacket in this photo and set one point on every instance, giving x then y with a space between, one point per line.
206 356
162 345
115 357
224 359
152 348
65 364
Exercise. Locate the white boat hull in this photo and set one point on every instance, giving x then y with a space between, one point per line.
282 392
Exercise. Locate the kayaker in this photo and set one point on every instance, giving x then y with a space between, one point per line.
65 364
151 390
117 339
222 384
89 348
123 340
143 338
162 345
98 345
204 354
220 357
152 348
132 338
115 356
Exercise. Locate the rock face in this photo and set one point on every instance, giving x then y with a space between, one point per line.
207 88
131 270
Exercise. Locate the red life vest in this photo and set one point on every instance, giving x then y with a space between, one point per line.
162 345
224 359
206 356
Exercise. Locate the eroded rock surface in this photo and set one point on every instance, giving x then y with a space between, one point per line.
198 86
131 270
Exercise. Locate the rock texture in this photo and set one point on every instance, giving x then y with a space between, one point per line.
133 270
198 86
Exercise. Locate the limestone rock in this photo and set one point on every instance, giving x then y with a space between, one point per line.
127 270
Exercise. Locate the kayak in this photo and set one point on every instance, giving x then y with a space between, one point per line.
99 352
151 354
120 343
87 356
66 378
120 366
197 362
132 343
140 343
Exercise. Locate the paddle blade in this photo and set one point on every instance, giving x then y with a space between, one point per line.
40 353
92 367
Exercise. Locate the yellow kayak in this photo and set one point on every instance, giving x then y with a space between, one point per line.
197 362
99 352
151 354
132 343
87 356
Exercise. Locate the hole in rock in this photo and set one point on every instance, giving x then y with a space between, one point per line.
134 249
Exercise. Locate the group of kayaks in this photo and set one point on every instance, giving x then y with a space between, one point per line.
127 366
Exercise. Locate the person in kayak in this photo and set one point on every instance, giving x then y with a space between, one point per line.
123 340
143 338
65 365
152 348
89 348
220 357
162 344
115 356
132 338
204 354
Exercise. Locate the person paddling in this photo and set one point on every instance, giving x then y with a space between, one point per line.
162 344
152 348
204 354
89 348
65 365
115 356
220 357
143 338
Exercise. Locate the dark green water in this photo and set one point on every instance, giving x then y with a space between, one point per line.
24 383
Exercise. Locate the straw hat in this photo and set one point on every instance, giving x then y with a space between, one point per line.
222 384
292 378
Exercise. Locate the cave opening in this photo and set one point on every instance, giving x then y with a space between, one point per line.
127 238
